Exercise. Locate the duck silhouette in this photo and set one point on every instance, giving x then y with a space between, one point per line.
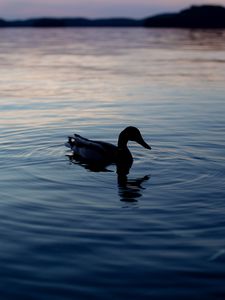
101 154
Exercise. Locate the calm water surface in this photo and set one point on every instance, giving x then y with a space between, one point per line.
69 233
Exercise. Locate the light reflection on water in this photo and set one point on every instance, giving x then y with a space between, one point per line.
68 232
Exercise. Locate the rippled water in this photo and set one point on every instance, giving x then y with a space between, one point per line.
69 233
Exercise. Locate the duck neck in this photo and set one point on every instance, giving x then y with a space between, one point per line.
124 157
122 141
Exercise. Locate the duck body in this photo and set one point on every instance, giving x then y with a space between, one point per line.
102 153
93 152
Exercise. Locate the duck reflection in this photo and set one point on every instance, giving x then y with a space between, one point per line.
130 189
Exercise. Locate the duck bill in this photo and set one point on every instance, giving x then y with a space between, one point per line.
143 143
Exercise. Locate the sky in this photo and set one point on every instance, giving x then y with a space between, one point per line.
22 9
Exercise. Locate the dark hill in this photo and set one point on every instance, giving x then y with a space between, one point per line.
3 23
205 16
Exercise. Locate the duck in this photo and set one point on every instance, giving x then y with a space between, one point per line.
102 153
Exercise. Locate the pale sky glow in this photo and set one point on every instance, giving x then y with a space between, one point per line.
19 9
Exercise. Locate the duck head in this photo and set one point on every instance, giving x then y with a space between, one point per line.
131 134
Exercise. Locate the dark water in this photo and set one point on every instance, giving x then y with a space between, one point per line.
69 233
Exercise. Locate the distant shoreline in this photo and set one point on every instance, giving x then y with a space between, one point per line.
203 16
72 22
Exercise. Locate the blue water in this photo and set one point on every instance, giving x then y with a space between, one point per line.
70 233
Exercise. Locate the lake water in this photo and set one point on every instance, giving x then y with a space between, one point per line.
70 233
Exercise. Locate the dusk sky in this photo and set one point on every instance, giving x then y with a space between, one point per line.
11 9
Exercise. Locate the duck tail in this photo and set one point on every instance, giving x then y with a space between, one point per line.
71 142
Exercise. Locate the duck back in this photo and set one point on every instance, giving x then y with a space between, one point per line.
96 152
